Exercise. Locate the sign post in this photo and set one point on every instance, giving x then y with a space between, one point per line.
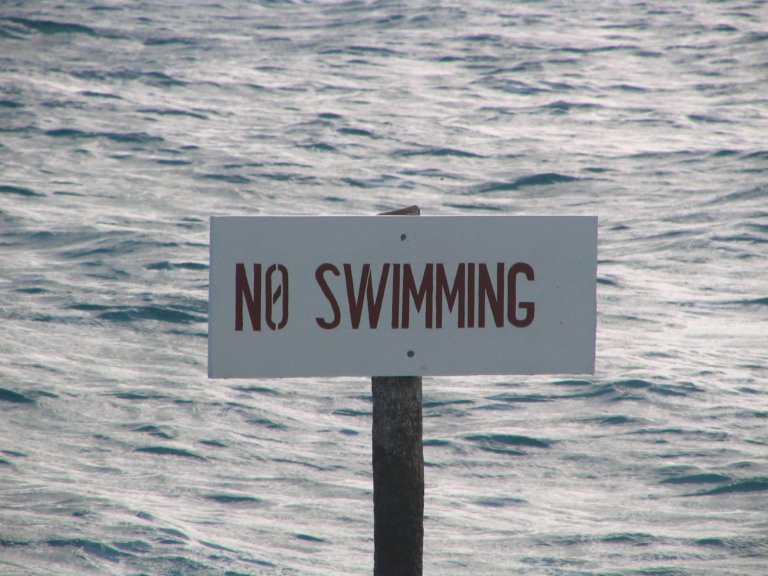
398 470
398 476
401 298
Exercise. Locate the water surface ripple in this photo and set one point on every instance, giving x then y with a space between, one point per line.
124 126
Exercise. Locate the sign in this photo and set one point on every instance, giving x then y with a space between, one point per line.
401 295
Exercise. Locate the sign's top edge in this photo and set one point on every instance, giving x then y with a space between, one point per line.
410 218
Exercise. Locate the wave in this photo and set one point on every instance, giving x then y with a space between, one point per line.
53 27
752 301
14 397
228 178
90 547
614 420
97 94
168 41
18 191
170 451
170 314
166 265
473 207
756 193
138 396
703 478
507 443
356 132
543 179
438 152
122 137
151 78
234 499
744 486
153 430
172 112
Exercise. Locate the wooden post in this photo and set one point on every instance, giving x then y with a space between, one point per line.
398 471
398 476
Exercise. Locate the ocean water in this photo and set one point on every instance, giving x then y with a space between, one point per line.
125 125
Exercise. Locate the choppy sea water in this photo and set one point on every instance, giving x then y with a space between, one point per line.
125 125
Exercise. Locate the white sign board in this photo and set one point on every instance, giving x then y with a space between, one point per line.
401 295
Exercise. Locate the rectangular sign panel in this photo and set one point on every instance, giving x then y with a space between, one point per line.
401 295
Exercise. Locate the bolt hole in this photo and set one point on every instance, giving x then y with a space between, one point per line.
411 353
403 237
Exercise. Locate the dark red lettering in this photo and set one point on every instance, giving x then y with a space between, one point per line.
365 294
374 305
274 293
395 296
328 293
356 302
252 298
421 295
470 295
452 294
494 297
512 306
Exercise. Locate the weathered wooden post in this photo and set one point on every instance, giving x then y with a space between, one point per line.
398 471
398 476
